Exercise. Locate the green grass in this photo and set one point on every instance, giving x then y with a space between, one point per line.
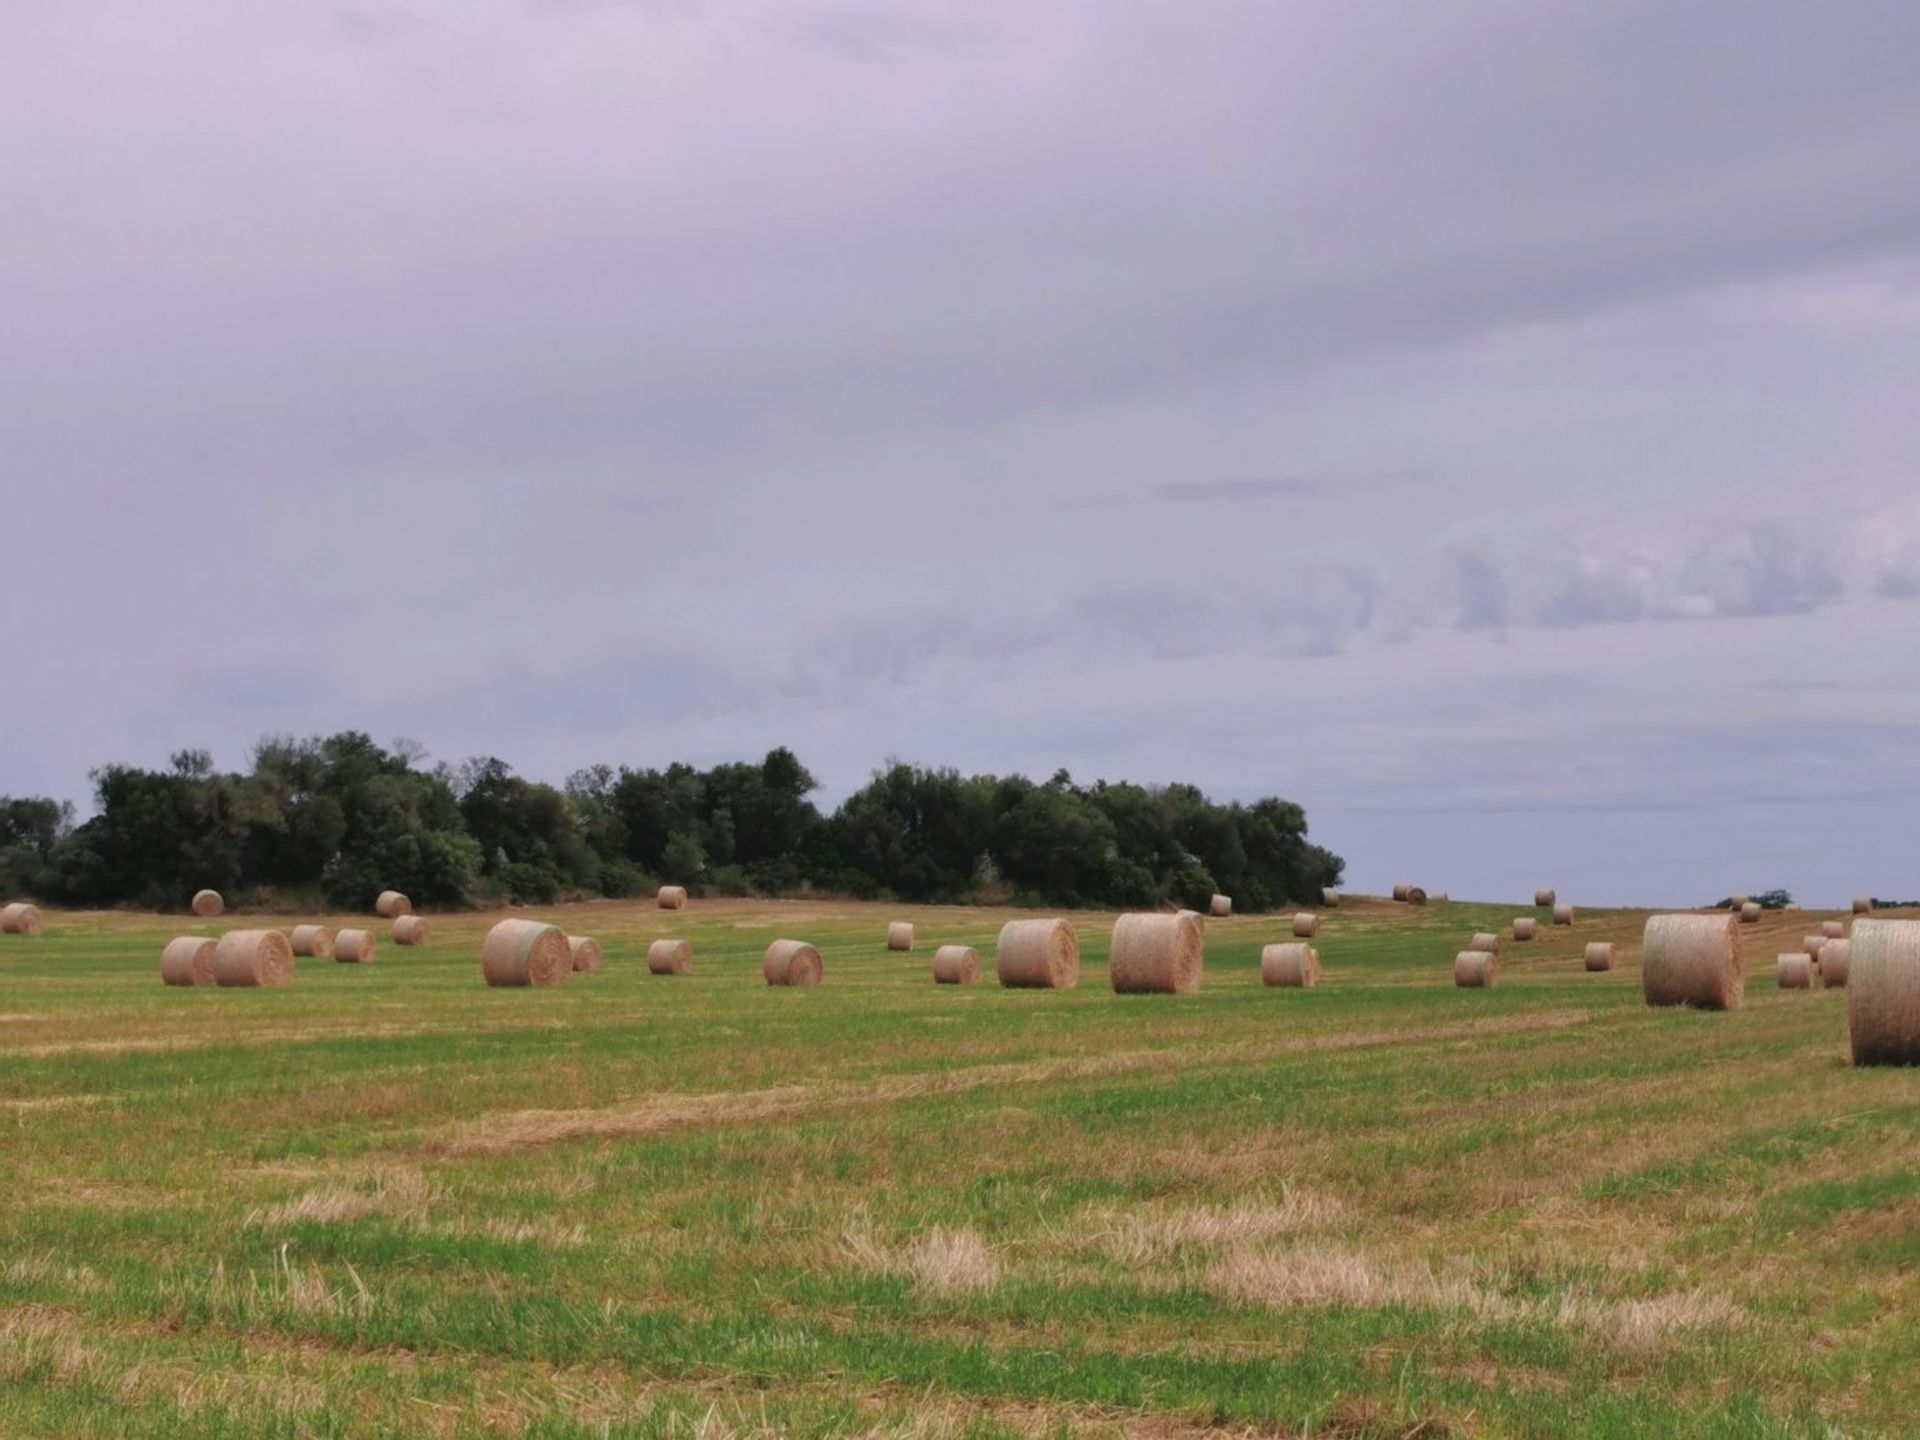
388 1201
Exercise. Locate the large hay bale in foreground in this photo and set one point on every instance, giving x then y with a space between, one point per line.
1796 971
1693 960
355 947
1833 929
1563 914
251 958
1600 956
1476 970
669 957
1750 913
791 962
410 930
900 935
956 965
1544 899
313 941
1485 940
525 952
1863 905
1330 899
585 951
1038 955
1305 926
1836 958
188 961
20 918
391 905
1156 955
208 905
1220 907
1883 992
1525 927
1290 966
673 897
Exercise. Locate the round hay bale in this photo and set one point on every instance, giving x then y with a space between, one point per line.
1750 913
1416 896
20 918
1796 972
1476 970
669 957
1290 966
1739 902
391 905
313 941
1525 928
1038 955
354 947
1812 944
187 961
673 897
1220 907
207 904
519 953
1330 899
1693 960
1485 940
1156 955
1563 914
410 930
1883 992
1400 891
956 965
1544 899
1833 929
1836 958
899 935
1863 905
1600 956
586 952
253 958
791 962
1305 926
1441 897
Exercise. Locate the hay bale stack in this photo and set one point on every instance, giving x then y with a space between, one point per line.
1156 955
1220 907
956 965
1836 958
391 905
313 941
1600 956
1833 929
20 918
1796 971
1416 896
1750 913
1330 899
1563 914
525 952
1544 899
1863 905
1525 928
791 962
1476 970
1693 960
899 935
1400 891
1485 940
586 952
1290 966
410 930
1038 955
354 947
1305 926
187 961
673 897
1883 992
207 904
669 957
251 958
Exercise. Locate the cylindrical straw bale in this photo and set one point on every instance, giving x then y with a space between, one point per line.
1544 899
586 952
1220 906
1293 966
525 952
1416 896
187 961
1693 960
1883 992
669 957
1525 927
1796 971
1563 914
673 897
1485 940
1833 929
1836 958
207 904
1400 891
791 962
1600 955
391 905
899 935
1038 955
1156 955
1330 899
252 958
1750 913
1863 905
1305 926
20 918
354 947
1739 902
1476 969
1812 944
410 930
314 941
956 965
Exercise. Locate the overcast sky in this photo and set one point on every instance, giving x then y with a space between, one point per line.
1495 425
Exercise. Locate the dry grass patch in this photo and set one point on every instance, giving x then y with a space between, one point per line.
941 1262
1140 1237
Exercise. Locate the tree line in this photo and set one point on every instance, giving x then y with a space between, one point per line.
347 817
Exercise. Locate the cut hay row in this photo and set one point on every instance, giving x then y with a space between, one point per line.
669 957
